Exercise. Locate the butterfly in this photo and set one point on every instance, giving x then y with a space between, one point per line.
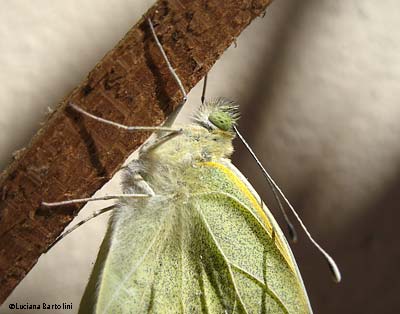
202 241
190 234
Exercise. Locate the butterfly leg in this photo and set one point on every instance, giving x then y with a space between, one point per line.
91 199
143 128
122 126
203 93
97 212
139 183
150 145
93 215
173 131
172 71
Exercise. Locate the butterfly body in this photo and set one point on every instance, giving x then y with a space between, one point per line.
203 242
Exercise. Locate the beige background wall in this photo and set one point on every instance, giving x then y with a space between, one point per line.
318 85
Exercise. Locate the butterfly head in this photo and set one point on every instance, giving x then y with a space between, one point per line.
218 114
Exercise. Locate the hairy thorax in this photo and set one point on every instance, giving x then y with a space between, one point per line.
172 166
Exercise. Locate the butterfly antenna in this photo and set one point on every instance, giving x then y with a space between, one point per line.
290 227
203 94
332 265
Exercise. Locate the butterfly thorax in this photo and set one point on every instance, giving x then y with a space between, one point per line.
173 164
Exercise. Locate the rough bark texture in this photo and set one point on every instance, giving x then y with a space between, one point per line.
72 156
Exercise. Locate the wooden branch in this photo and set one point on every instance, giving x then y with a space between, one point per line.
72 156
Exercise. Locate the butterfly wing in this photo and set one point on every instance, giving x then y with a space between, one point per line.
212 252
253 243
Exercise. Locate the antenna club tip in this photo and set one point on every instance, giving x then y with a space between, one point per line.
336 275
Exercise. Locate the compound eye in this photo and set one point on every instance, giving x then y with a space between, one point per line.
222 120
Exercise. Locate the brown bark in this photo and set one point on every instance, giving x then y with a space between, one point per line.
72 157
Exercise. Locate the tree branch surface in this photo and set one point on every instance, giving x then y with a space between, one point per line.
72 156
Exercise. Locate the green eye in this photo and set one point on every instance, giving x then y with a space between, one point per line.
222 120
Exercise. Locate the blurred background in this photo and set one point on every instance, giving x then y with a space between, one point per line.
318 86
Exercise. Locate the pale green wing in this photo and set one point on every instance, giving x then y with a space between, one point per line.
282 276
203 253
263 281
274 224
162 259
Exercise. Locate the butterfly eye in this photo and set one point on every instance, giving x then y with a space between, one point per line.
222 120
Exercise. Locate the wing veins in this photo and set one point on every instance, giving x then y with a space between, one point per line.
237 201
181 256
251 212
152 283
265 287
258 281
119 287
225 258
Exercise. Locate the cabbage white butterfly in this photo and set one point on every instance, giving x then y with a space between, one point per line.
190 234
